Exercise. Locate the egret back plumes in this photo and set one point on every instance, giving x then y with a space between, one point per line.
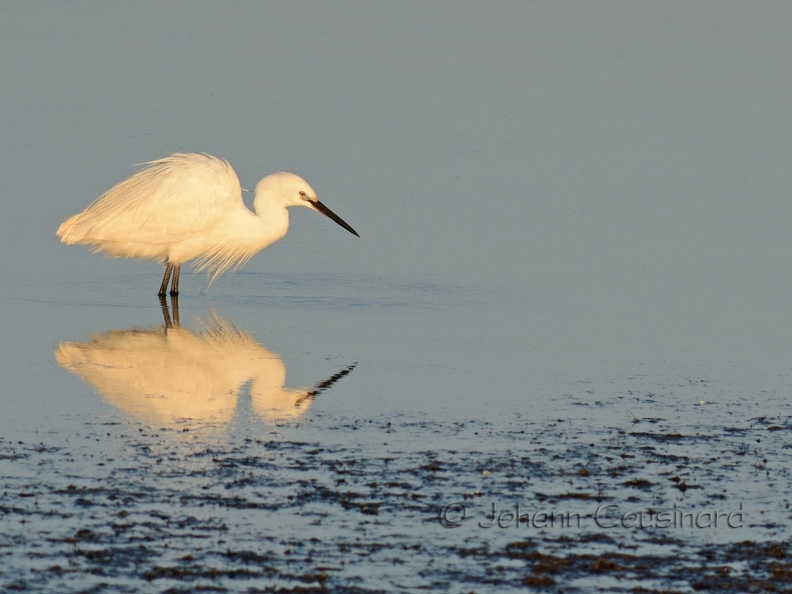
189 207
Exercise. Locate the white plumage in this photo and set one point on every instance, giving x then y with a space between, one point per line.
189 207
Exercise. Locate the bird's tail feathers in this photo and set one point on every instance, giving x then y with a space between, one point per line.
70 231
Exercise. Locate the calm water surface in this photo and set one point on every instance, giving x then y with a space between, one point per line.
356 432
569 305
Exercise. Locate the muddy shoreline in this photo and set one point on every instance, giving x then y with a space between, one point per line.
124 508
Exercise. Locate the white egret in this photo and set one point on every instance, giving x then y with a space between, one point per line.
189 206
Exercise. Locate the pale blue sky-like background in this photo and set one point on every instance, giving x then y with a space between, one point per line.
602 188
575 252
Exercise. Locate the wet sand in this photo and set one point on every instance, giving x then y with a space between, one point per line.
397 503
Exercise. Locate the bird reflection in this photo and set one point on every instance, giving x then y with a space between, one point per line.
170 376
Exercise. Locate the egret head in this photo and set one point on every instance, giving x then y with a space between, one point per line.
288 189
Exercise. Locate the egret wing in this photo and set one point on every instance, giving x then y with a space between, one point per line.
169 200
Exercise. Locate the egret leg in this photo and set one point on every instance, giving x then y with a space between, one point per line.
175 286
165 279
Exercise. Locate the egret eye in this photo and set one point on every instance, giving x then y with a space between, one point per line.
303 195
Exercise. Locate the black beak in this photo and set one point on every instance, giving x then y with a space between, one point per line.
329 213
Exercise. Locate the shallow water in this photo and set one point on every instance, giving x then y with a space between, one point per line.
569 304
142 456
